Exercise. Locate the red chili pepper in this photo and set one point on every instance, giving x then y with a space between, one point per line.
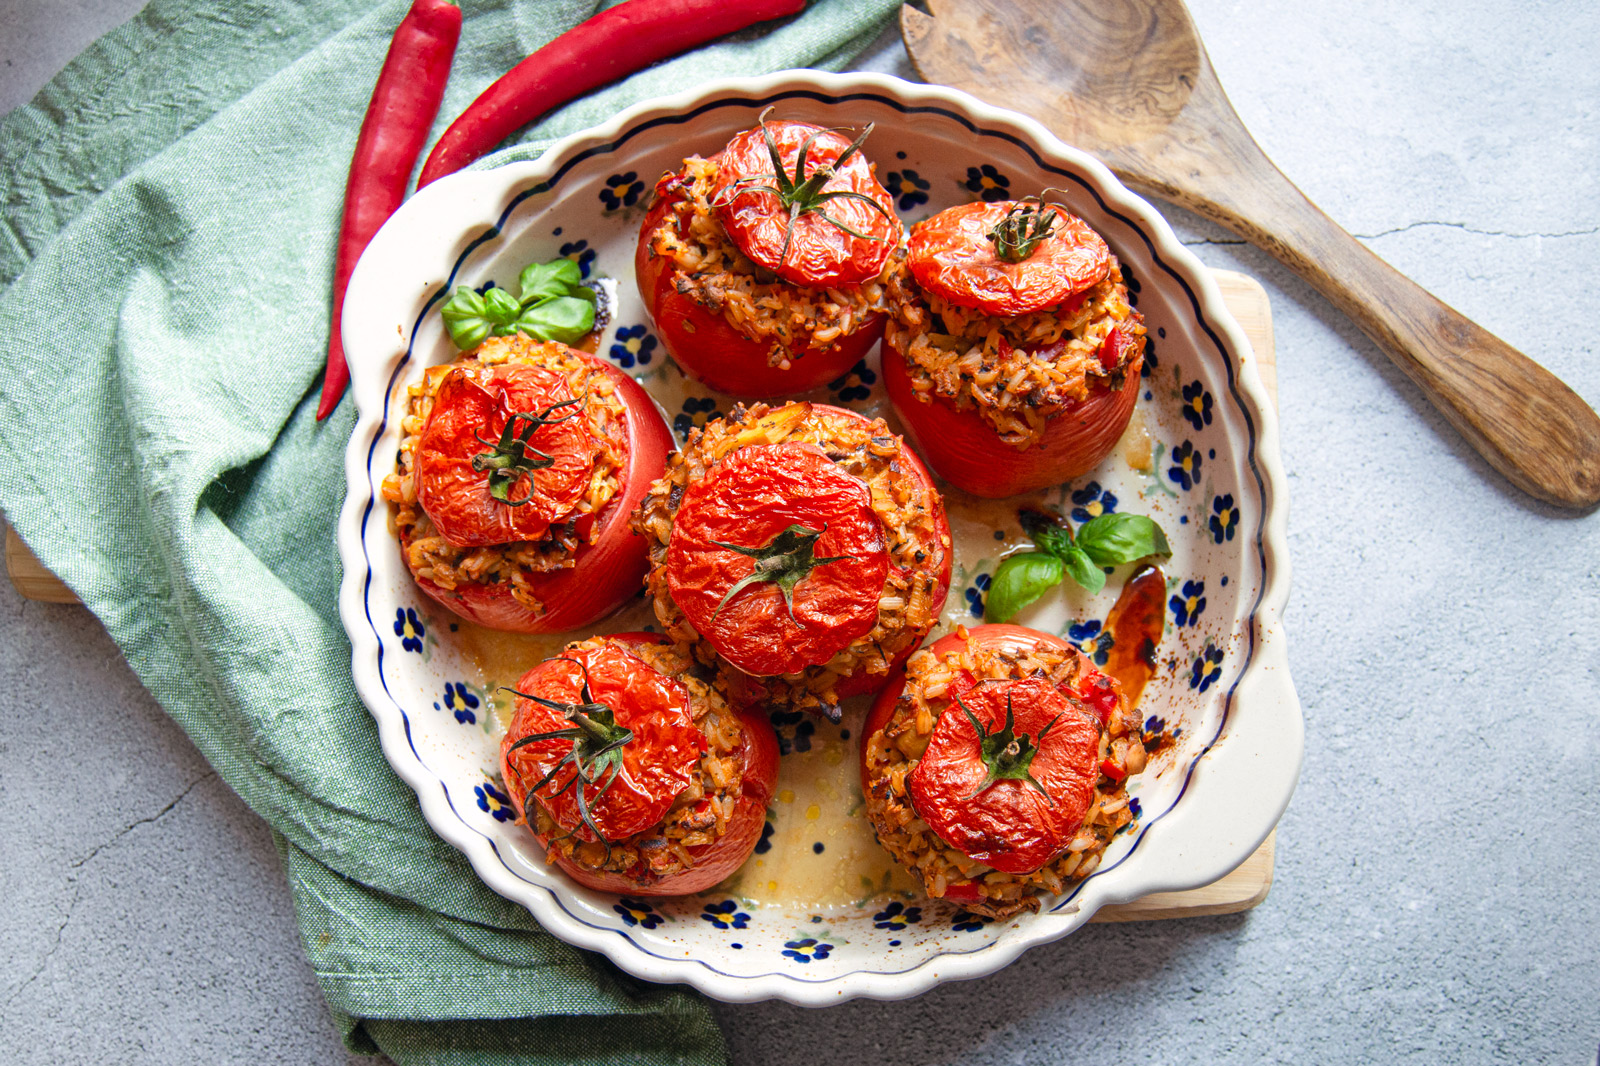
613 44
404 103
1111 349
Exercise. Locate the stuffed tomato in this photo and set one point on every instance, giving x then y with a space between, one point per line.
802 550
519 464
633 772
767 269
994 767
1014 360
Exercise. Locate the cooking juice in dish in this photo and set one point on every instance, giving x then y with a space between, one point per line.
818 850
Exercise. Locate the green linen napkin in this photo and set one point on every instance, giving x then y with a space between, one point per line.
170 204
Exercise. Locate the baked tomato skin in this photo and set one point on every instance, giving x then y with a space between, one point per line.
657 764
707 346
952 257
606 571
1002 637
967 452
819 253
473 407
713 862
1009 825
750 499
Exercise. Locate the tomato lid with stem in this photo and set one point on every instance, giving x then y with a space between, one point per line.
505 454
605 742
1009 773
1007 258
777 558
801 201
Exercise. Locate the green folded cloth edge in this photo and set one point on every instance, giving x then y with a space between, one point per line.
170 204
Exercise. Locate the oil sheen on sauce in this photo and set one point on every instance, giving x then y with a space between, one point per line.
1135 623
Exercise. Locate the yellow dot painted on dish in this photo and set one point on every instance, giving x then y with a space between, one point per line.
813 812
786 795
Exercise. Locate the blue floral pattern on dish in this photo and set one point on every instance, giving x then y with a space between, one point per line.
795 730
976 594
637 913
725 915
1189 604
967 922
1185 469
764 845
856 385
634 344
696 412
806 949
1092 639
621 190
1092 501
1207 668
460 702
1224 518
409 628
579 252
907 187
494 801
988 183
896 916
1197 405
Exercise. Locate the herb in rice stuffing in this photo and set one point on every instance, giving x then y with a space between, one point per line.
801 549
998 770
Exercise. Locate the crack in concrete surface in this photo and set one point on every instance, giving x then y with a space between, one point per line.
76 884
1463 227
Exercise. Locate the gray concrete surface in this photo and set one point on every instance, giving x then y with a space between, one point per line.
1435 898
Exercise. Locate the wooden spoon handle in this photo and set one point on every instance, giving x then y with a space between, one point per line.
1527 423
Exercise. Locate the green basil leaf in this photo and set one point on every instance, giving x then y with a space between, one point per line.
546 281
1111 539
500 307
566 319
1049 531
464 317
1084 571
1019 581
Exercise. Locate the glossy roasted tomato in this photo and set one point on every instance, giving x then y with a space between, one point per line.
814 247
777 558
712 351
953 256
470 413
712 863
1095 691
607 570
967 452
656 764
1008 823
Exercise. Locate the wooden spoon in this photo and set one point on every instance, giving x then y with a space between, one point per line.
1130 82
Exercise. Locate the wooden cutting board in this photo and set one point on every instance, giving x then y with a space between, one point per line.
1244 888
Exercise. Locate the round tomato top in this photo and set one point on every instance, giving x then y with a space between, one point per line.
805 248
505 454
777 558
952 256
974 790
625 795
